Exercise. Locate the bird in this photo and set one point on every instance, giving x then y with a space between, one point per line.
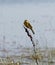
28 25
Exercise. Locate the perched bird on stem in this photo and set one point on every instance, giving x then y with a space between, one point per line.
28 25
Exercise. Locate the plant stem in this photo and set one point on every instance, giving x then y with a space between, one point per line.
31 38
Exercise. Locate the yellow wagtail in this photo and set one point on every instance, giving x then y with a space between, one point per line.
28 25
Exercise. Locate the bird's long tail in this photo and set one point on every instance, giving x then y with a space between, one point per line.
32 31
